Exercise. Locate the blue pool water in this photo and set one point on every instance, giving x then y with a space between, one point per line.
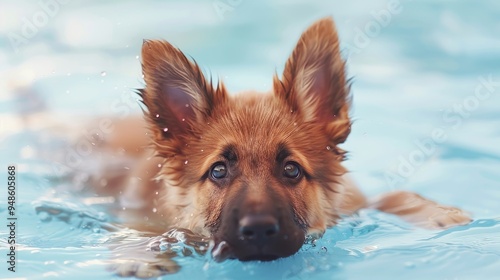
420 69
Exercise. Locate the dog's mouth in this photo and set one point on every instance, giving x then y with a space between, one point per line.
245 250
262 257
223 251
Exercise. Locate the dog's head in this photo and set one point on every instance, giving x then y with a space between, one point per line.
257 172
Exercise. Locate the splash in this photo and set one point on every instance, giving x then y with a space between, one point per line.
181 242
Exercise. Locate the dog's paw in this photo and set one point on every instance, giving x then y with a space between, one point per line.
442 217
421 211
144 270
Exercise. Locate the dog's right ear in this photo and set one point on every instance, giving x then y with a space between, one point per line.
314 83
177 95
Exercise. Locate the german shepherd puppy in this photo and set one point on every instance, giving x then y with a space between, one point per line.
257 172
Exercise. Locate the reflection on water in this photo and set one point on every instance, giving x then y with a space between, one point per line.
356 241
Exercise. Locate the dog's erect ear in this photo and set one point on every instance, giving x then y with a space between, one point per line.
314 82
177 95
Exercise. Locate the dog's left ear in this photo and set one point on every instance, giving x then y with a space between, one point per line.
314 83
177 95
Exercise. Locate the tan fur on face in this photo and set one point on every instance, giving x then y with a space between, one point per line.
254 123
307 113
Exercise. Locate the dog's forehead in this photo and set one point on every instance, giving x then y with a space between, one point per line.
257 131
257 124
258 117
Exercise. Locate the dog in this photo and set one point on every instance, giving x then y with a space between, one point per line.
257 172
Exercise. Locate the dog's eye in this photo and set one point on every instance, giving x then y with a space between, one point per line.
292 170
219 171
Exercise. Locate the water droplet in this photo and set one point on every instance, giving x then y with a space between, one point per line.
159 165
201 150
156 193
103 73
187 105
124 208
186 162
295 124
155 210
157 115
165 129
328 148
136 57
324 249
183 119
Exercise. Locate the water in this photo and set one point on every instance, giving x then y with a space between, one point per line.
417 67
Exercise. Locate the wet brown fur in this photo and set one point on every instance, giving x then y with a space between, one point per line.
293 116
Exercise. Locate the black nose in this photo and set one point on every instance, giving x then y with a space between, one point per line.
258 228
